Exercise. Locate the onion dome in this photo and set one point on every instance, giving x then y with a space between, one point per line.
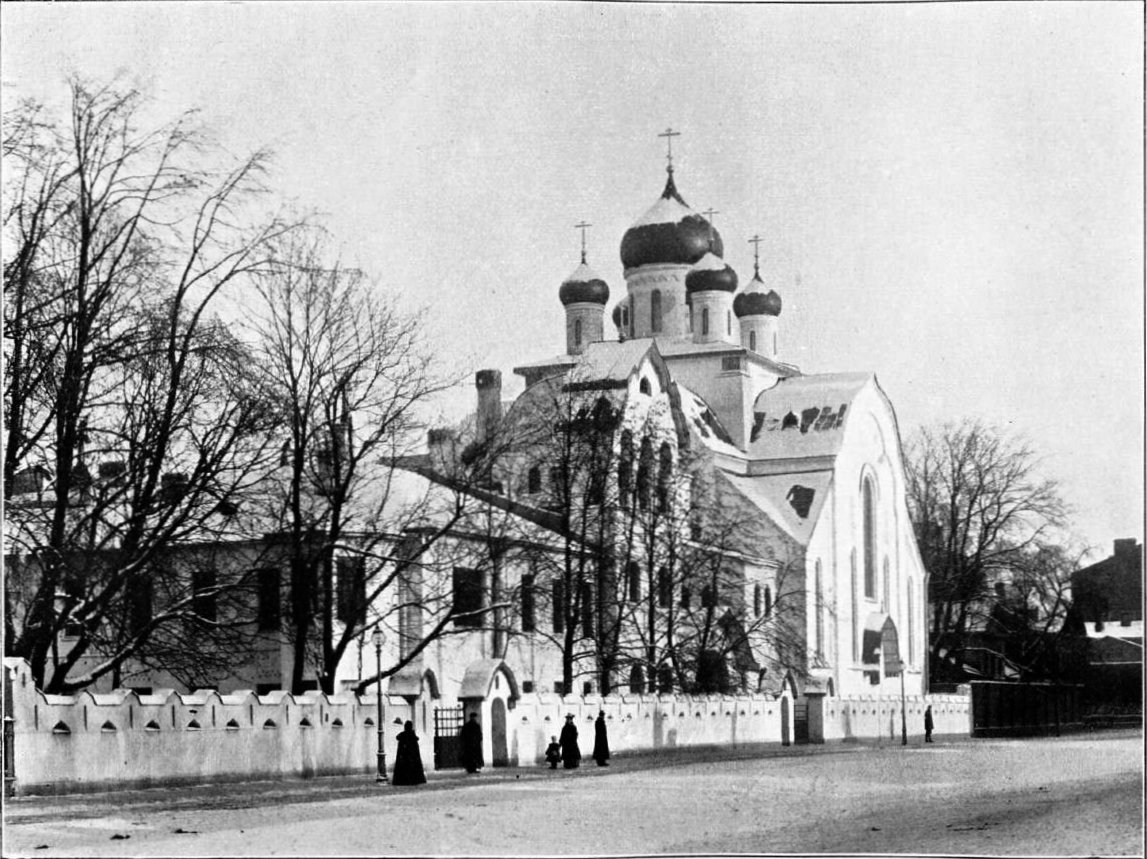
710 273
583 286
754 301
616 315
670 232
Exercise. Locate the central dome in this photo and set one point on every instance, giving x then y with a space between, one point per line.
670 232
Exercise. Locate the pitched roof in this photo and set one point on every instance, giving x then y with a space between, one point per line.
792 501
804 416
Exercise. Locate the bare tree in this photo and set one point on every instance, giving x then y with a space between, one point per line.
346 374
130 416
978 506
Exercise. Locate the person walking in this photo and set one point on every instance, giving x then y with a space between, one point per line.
471 742
553 753
928 724
600 741
571 754
408 760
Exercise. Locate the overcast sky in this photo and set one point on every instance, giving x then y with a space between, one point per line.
950 195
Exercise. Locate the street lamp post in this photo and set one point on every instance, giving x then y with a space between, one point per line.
378 637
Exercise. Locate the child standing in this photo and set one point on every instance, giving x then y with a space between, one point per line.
553 753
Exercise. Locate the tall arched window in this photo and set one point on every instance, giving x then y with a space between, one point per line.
577 332
644 473
768 601
633 575
911 624
664 477
534 480
728 322
753 341
625 469
868 501
855 609
664 588
704 320
818 606
637 680
757 600
655 311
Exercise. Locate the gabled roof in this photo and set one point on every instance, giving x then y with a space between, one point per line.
785 497
611 361
804 416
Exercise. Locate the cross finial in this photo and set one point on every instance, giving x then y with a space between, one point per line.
709 213
669 134
583 226
755 241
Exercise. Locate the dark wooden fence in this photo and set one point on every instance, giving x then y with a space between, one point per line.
1020 709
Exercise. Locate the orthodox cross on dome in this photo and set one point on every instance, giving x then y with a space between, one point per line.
669 134
583 226
755 241
709 213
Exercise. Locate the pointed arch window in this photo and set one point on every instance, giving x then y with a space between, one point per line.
868 502
664 477
818 606
655 311
644 473
625 469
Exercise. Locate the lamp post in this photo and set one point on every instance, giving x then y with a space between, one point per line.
378 637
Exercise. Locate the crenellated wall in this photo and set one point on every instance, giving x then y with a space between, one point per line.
92 742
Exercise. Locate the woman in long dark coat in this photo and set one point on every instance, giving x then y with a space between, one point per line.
571 754
600 741
408 760
471 751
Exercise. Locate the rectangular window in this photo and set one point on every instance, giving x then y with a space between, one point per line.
528 621
140 596
467 597
732 362
269 600
202 603
559 607
350 590
664 588
587 609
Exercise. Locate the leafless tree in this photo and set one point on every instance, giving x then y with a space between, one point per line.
979 508
346 375
132 423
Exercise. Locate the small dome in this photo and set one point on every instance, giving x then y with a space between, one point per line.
711 273
616 315
754 301
583 286
670 232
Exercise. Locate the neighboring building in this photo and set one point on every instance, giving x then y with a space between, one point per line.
1107 607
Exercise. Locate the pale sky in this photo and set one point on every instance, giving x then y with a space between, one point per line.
950 195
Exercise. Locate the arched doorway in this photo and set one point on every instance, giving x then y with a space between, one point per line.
499 750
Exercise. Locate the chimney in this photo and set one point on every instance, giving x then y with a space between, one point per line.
489 385
443 447
1128 547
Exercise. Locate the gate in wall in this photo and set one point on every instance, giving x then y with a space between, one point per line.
800 720
447 742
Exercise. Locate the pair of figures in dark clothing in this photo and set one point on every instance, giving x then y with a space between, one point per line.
567 751
408 760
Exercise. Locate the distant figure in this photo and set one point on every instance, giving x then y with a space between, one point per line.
471 735
408 760
600 741
928 724
571 754
553 753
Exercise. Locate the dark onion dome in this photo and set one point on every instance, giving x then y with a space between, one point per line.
670 232
583 286
616 315
710 274
754 301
